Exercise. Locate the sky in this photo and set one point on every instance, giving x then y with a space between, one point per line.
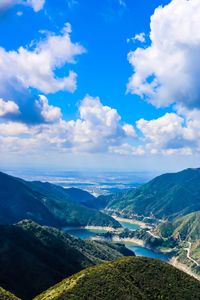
100 85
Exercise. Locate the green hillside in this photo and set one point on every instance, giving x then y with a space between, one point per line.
46 204
33 258
166 196
5 295
60 193
126 279
195 251
184 228
18 201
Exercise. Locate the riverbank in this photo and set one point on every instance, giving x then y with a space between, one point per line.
92 228
131 221
108 229
139 242
133 241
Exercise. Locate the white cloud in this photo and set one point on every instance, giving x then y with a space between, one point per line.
127 149
13 128
8 107
138 37
50 113
36 5
98 129
163 129
36 67
168 70
129 129
172 133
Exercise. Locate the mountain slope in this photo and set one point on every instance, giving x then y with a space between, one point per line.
17 201
64 205
80 196
45 204
33 258
166 196
195 251
126 279
60 193
5 295
184 228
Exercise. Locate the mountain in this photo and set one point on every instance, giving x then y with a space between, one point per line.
34 257
183 228
46 204
80 196
74 194
18 201
5 295
126 279
166 196
195 252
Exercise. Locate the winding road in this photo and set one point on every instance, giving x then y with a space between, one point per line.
188 254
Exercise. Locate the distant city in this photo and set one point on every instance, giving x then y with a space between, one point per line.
103 183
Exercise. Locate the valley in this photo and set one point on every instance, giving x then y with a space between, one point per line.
99 150
134 244
61 231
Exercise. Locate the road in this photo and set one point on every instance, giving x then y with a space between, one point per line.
188 254
153 235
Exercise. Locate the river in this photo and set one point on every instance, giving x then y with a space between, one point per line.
138 250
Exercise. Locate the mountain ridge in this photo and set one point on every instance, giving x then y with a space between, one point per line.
35 257
126 279
166 196
46 204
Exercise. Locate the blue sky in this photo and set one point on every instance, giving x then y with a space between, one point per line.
101 118
102 27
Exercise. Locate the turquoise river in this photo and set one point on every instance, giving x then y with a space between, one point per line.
139 250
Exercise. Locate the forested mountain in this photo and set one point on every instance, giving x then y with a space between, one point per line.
126 279
166 196
34 257
183 228
46 204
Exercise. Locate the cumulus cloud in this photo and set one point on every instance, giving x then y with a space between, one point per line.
50 113
36 5
8 108
168 70
29 109
36 67
27 71
98 129
172 133
13 129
